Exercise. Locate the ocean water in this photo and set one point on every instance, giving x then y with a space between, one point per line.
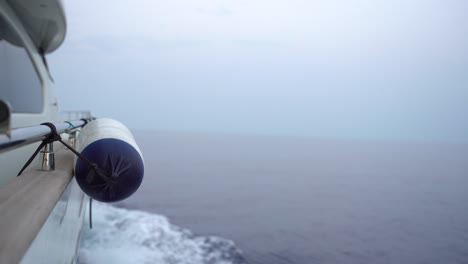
273 200
124 236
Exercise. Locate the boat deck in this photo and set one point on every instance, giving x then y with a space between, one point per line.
27 201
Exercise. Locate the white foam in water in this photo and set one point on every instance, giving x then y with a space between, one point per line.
130 236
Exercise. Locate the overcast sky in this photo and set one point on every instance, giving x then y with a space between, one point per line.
370 69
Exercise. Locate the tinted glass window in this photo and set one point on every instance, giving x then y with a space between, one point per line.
19 83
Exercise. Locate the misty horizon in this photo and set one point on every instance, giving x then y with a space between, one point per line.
361 69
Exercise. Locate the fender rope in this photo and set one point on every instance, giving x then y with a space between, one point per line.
55 136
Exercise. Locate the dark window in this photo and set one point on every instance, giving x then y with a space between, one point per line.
19 82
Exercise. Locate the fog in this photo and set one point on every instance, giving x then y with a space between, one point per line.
366 69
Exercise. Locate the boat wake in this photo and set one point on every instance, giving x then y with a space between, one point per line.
130 236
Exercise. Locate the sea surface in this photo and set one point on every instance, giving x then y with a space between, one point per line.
210 198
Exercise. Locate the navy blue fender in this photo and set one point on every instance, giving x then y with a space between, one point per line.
120 167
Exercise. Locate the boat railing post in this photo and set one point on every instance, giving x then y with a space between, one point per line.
48 157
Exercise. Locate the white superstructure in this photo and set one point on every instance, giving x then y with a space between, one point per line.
41 212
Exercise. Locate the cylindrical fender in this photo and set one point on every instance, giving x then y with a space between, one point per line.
120 167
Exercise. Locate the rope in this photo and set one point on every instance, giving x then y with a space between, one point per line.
86 121
55 136
70 128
